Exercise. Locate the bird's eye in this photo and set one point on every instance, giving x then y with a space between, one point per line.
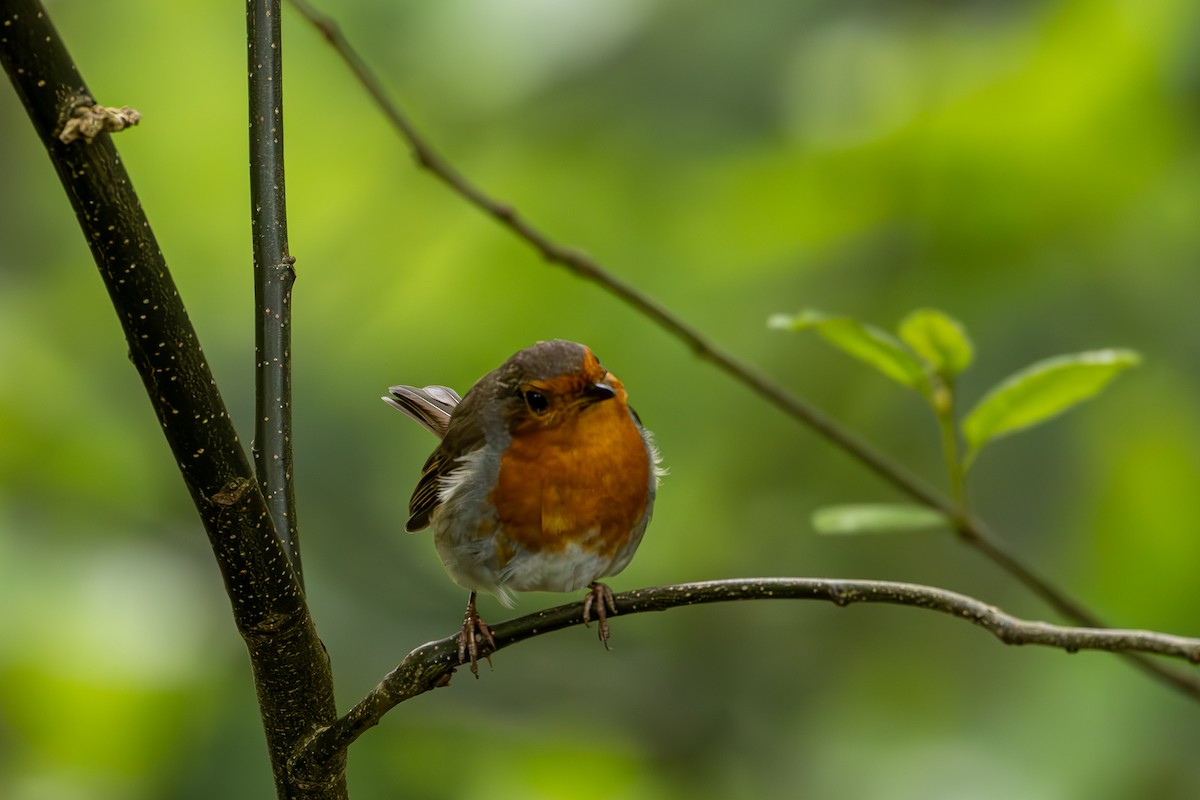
536 401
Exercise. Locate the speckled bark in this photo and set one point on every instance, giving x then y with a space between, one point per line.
290 665
273 275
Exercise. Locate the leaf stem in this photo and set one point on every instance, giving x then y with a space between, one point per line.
943 410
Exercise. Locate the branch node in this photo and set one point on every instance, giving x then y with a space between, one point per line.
232 492
86 120
838 595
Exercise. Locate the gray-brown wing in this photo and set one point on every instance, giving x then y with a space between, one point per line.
425 497
463 434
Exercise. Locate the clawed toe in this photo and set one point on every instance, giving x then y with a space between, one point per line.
601 599
474 632
475 638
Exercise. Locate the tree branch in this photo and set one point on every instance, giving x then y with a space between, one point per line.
267 601
970 529
273 276
431 665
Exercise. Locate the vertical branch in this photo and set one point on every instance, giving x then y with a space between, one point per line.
291 669
273 276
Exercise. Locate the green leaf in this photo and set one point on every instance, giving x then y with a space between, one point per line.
1041 391
866 343
876 518
939 339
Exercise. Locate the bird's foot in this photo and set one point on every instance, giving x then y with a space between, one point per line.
600 598
474 633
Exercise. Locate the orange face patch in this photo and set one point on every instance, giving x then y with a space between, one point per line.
556 402
579 472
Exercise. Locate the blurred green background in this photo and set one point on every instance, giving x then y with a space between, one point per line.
1030 167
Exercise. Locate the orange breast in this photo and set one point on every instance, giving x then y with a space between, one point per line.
583 482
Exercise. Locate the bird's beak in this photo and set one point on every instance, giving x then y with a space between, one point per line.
599 391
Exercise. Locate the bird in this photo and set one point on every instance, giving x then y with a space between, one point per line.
544 480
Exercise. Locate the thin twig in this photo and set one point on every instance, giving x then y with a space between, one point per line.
431 665
273 276
969 528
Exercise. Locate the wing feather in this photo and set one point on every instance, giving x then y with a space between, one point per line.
461 434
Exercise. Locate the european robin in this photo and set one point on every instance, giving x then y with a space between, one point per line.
544 481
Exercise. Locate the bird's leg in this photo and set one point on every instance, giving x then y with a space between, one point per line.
601 598
474 629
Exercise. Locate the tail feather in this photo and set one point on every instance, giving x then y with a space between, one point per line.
430 406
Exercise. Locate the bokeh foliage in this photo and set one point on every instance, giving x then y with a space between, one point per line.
1030 167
